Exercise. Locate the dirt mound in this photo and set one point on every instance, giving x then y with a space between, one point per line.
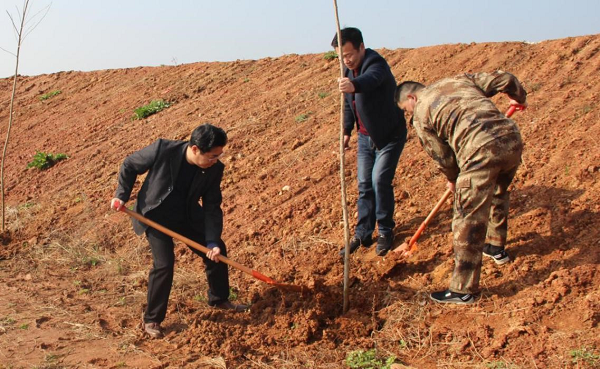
73 274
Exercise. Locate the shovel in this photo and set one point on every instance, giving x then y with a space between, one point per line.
407 248
224 259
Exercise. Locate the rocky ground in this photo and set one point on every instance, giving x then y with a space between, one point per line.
73 275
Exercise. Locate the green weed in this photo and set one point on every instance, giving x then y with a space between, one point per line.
91 261
7 321
49 95
43 161
368 360
330 55
200 298
51 357
121 302
27 205
302 117
24 326
232 294
323 95
585 355
154 107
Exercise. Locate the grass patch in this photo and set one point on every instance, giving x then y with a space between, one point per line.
323 95
154 107
330 55
43 161
586 356
49 95
368 359
302 117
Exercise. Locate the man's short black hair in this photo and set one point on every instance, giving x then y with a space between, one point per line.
206 137
349 34
406 88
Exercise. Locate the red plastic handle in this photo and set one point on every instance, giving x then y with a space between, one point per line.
513 109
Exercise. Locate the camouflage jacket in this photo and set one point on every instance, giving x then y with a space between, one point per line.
454 117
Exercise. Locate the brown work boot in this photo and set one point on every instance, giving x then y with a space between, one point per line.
153 329
228 305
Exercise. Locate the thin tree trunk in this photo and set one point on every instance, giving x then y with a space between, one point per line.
10 112
342 170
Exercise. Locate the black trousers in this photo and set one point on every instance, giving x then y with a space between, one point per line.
160 278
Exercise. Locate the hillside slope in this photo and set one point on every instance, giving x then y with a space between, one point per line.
73 274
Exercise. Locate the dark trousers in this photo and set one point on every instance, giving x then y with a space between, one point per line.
160 278
376 170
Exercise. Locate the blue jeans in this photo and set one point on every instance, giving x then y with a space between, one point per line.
376 170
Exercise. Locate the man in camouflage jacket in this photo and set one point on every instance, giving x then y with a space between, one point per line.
479 150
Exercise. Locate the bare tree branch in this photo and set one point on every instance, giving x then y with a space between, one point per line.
13 24
28 31
10 52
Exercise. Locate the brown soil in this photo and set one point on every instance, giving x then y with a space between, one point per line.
73 274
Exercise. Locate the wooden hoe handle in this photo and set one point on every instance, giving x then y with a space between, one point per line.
185 240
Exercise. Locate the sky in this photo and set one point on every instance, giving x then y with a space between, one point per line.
86 35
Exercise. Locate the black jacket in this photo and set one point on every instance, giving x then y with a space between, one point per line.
374 96
162 160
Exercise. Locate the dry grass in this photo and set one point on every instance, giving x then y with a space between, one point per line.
18 216
326 359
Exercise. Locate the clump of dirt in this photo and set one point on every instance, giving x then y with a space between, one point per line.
74 275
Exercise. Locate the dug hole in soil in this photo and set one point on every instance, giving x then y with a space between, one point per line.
73 275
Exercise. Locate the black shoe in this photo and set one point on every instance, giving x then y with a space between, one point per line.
228 305
452 297
355 242
384 244
497 253
153 330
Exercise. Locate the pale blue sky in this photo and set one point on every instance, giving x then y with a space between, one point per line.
86 35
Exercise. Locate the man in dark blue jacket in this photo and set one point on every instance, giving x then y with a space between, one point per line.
369 88
182 191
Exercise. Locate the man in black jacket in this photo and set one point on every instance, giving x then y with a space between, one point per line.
369 87
182 191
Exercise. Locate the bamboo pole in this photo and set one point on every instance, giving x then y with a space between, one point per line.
342 171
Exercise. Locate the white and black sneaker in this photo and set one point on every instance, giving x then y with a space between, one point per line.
450 297
496 253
